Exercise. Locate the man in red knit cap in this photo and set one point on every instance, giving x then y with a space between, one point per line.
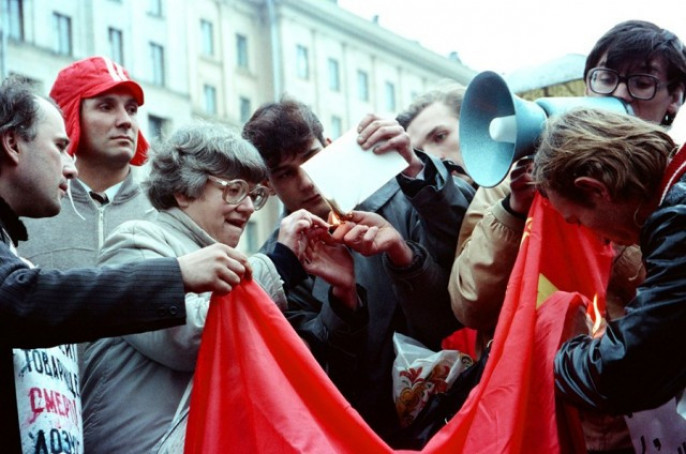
100 104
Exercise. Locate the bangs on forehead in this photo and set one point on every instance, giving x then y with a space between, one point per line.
642 62
288 159
293 154
252 171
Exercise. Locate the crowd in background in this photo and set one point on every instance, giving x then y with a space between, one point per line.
104 311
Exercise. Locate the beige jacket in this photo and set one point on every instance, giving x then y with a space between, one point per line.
486 251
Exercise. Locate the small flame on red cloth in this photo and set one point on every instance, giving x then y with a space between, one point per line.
597 317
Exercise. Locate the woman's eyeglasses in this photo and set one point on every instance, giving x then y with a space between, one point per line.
235 191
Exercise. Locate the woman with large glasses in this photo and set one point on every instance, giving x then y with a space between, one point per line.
205 183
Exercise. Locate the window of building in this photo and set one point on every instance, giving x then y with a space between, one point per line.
207 34
334 75
362 86
210 94
157 126
241 51
336 127
15 16
116 45
62 26
302 62
155 8
245 109
389 89
157 60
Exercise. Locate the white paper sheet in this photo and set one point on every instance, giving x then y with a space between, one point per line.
347 174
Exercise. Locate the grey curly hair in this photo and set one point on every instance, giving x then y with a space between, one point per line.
182 163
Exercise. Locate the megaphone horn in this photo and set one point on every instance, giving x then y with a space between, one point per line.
497 128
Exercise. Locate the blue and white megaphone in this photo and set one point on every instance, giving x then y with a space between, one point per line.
497 128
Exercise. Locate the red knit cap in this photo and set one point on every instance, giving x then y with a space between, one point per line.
88 78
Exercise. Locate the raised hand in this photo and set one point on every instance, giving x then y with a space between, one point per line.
383 136
299 228
333 263
308 237
521 185
369 234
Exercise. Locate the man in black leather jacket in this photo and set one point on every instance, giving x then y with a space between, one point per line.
426 212
619 176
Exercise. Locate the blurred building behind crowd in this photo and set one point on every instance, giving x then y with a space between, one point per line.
220 59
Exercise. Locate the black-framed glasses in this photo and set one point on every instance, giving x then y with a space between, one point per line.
235 191
605 81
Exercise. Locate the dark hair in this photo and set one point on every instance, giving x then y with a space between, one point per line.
636 40
19 108
449 93
282 130
182 163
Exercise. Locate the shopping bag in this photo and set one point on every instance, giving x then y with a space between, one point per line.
419 373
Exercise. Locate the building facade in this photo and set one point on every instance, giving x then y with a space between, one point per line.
220 59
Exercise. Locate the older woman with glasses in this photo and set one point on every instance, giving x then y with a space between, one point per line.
205 183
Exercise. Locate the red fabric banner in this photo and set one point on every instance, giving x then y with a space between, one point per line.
258 389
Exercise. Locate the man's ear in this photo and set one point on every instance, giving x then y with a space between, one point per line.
10 146
594 188
269 186
677 99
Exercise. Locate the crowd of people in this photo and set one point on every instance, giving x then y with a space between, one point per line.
107 281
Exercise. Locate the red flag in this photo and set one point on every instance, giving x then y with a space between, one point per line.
258 389
463 340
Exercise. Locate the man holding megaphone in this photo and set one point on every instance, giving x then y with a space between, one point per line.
636 62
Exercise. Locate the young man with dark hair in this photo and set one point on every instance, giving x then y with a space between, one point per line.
421 216
644 65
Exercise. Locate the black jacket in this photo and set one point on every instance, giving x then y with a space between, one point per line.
428 214
46 308
639 363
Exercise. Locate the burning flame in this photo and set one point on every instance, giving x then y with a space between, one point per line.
336 217
597 317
